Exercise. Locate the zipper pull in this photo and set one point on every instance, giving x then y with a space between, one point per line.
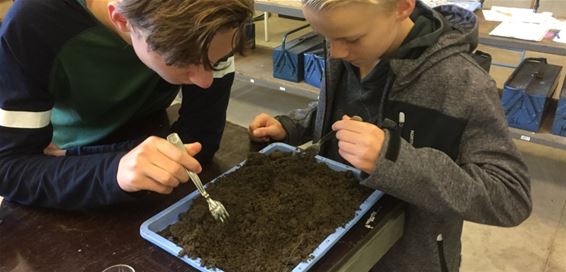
401 120
401 124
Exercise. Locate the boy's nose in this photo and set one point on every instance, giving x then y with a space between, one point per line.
201 77
338 50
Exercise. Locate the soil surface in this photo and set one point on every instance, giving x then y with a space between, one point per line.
281 207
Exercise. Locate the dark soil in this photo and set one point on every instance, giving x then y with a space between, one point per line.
281 208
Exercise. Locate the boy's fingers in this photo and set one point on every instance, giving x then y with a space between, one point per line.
259 136
259 121
159 188
177 155
347 136
347 147
350 124
163 176
149 184
262 132
193 148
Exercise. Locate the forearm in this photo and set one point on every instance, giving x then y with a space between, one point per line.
69 182
99 149
491 190
298 124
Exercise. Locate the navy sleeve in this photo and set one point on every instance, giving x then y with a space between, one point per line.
30 37
202 115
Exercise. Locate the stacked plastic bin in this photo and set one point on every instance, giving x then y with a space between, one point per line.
314 67
527 91
288 58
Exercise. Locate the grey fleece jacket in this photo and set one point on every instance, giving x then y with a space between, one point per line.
451 160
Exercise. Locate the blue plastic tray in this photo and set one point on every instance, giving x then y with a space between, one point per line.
150 228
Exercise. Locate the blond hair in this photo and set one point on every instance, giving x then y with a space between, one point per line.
321 5
181 30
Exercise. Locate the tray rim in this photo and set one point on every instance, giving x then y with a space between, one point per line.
329 241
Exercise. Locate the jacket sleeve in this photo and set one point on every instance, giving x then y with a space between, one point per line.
27 176
487 184
299 124
202 115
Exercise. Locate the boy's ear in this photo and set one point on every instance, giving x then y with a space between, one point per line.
405 9
117 18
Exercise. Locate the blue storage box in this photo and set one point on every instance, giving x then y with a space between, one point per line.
527 91
314 67
288 59
559 125
150 229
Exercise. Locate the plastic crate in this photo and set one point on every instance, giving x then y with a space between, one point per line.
288 59
314 67
559 124
527 91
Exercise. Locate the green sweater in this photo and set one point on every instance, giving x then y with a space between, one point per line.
98 84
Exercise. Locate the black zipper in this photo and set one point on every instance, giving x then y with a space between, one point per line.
442 258
326 65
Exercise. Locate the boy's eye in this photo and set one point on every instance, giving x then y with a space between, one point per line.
352 41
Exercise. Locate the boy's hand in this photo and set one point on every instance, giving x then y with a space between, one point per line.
156 165
264 127
359 142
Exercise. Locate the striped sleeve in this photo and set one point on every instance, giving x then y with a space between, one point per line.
30 37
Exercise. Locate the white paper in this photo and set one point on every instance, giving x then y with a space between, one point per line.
561 37
494 16
434 3
469 5
554 23
561 27
501 14
466 4
512 11
521 30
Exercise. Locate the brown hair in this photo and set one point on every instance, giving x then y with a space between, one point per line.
327 4
181 30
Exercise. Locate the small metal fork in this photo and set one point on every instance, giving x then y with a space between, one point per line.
315 147
216 208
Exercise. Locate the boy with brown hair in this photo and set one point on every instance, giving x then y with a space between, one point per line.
76 74
434 134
